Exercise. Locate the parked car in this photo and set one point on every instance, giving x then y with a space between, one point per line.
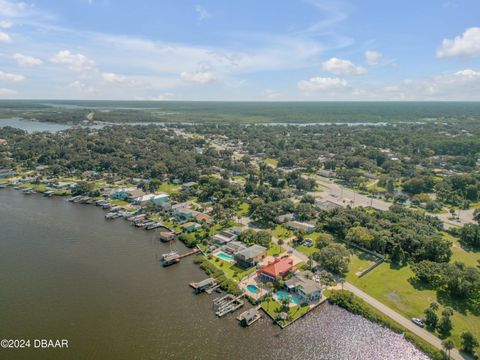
418 322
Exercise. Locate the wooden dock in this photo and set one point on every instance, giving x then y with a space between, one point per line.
194 251
228 304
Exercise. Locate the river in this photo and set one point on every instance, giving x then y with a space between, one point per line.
66 273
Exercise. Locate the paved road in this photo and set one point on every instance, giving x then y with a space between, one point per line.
344 196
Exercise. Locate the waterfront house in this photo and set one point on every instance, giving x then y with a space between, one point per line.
4 173
180 206
151 198
224 237
304 286
166 236
276 269
191 226
183 214
297 225
234 246
250 256
127 194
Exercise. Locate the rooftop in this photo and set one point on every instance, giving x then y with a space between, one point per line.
278 267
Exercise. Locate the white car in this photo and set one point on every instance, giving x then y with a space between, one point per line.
418 322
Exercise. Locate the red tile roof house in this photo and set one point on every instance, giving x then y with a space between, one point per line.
276 269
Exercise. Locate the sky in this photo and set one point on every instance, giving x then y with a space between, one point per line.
249 50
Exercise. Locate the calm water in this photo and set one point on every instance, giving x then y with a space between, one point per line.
67 273
33 126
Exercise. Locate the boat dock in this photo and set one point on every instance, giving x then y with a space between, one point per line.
188 253
204 285
248 317
227 304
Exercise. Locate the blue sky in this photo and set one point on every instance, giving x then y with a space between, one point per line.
240 50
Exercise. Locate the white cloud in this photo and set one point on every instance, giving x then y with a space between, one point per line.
342 67
26 60
78 85
75 62
5 24
113 78
161 97
198 77
372 57
202 13
11 77
12 9
466 45
7 92
5 38
272 94
321 84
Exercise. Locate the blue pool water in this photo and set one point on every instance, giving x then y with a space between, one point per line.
253 289
224 256
283 295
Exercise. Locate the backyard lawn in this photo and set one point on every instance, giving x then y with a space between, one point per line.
169 188
275 249
273 308
281 232
231 271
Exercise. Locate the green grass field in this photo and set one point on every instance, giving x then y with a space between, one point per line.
273 308
392 287
281 232
272 162
169 188
243 209
466 256
231 271
275 249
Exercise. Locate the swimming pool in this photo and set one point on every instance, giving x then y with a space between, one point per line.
253 289
223 256
283 295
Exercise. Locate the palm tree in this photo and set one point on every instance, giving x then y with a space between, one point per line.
448 345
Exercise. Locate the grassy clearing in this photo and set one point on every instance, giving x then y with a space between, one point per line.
359 261
169 188
275 249
392 287
309 251
466 256
272 162
119 202
281 232
243 209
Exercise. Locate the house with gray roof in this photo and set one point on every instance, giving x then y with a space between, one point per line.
304 286
250 256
